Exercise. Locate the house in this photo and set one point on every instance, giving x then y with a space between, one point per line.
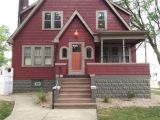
89 39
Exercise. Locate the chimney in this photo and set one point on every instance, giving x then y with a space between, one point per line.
22 5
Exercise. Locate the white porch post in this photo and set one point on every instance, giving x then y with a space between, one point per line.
124 54
145 47
101 51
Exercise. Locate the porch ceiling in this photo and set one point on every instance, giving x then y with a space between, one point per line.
130 37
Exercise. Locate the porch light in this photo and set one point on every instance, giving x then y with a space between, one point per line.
76 33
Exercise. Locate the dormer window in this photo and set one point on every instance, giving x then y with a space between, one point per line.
101 19
52 20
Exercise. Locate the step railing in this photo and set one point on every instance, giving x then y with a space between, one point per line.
56 88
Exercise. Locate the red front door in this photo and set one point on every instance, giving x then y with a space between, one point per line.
76 57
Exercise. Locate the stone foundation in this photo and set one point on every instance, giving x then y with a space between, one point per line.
119 86
32 85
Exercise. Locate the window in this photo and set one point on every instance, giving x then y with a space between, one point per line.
37 55
127 55
63 53
115 54
115 57
47 56
27 56
101 19
52 20
89 52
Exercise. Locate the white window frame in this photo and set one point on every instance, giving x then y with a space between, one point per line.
52 20
60 53
42 56
92 52
105 17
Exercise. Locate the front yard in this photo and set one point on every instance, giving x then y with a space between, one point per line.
130 113
135 109
6 108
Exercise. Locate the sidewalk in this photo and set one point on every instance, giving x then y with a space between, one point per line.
26 109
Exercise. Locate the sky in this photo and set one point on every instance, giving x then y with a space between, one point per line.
8 17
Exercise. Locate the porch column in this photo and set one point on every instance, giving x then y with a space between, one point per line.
101 51
124 54
145 47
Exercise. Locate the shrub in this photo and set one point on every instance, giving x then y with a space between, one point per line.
107 99
130 95
42 96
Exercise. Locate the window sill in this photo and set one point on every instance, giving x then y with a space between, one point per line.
45 66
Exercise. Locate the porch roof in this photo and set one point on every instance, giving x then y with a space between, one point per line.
131 37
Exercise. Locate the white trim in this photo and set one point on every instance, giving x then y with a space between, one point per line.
121 8
60 53
10 40
118 15
60 64
105 18
52 20
75 13
71 72
92 52
42 56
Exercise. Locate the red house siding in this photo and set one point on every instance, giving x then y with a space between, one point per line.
118 69
32 33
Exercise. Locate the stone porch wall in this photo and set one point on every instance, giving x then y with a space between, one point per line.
118 86
29 85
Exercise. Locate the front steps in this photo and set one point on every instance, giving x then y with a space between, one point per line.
75 93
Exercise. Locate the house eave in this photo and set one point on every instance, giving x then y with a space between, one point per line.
11 38
131 37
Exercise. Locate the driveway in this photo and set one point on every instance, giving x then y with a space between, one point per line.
26 109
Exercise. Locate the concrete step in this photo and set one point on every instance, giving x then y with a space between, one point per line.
75 86
74 100
75 95
75 105
75 90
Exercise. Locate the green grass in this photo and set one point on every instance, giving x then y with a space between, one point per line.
131 113
155 91
6 108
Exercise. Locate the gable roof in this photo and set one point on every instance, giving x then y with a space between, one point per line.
118 15
10 40
75 13
39 3
28 8
121 8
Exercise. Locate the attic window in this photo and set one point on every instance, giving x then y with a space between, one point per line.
52 20
101 19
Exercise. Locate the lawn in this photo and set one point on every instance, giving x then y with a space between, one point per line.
131 113
6 108
155 91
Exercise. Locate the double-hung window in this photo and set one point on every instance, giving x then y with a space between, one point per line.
101 19
52 20
37 55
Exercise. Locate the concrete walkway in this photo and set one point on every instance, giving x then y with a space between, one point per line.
26 109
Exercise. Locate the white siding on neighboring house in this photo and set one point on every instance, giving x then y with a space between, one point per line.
6 82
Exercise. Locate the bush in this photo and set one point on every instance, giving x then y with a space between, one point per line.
130 95
107 99
42 96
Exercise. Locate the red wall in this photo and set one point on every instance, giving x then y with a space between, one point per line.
32 33
118 69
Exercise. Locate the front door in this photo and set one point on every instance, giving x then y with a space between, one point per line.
76 62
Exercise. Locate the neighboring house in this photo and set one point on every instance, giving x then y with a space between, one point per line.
78 38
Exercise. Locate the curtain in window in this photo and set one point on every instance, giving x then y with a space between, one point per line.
37 56
47 59
27 56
